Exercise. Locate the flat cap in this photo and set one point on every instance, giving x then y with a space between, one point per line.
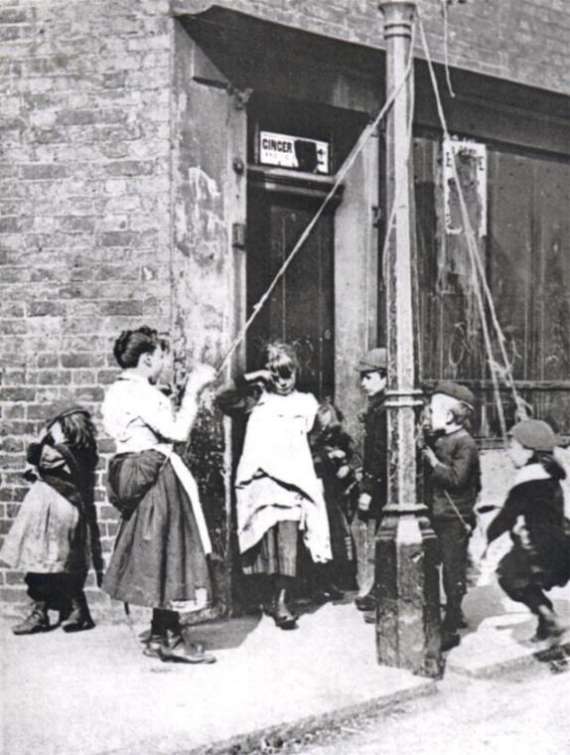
535 435
456 391
375 359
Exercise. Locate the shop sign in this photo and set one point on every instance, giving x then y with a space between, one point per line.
471 165
296 153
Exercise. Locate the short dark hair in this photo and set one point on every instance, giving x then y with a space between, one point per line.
131 344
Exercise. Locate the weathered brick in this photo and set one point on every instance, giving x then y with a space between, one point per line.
86 359
119 238
43 308
113 308
49 171
130 168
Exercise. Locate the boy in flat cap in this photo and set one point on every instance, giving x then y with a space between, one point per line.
373 372
534 515
453 483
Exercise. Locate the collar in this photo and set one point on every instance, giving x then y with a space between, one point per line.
531 472
133 377
376 399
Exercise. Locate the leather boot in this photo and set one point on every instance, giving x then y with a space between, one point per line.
37 621
282 616
79 618
549 624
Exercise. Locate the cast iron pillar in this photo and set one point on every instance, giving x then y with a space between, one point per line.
407 580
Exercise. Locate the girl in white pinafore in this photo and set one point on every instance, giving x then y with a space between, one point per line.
277 491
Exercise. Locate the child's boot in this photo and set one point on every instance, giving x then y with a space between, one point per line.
281 613
549 624
79 618
37 621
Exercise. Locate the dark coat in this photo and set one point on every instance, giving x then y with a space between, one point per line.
456 481
375 457
534 515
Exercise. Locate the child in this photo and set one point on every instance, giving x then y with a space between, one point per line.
160 552
56 526
452 486
373 372
277 491
534 515
335 461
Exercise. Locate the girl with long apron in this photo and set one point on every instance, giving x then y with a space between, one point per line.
160 554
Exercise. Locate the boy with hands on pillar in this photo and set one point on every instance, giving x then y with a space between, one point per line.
453 482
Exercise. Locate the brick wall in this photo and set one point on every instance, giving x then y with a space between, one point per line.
84 210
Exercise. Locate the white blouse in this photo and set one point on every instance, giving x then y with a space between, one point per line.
138 416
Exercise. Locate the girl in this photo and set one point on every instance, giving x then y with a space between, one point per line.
534 515
56 525
336 464
277 491
162 543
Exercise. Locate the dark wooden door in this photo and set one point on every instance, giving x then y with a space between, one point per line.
300 310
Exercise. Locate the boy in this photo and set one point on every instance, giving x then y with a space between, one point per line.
373 372
452 485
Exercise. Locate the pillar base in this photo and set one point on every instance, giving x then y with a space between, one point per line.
408 621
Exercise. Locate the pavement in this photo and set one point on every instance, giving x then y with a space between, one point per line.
94 692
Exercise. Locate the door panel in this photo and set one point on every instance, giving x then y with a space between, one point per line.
300 309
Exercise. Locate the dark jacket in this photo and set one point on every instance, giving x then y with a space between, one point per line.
456 480
375 457
534 515
333 455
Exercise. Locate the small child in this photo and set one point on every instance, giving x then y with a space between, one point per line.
335 462
373 485
56 526
278 493
534 515
453 483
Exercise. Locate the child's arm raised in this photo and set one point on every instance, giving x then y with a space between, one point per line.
457 471
240 395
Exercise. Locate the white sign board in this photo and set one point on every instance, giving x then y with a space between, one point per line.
294 152
471 164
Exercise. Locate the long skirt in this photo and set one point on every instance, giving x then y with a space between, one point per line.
48 536
158 559
276 553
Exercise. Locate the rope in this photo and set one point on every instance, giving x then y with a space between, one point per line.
446 46
479 276
346 166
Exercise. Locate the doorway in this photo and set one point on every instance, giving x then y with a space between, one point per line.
300 310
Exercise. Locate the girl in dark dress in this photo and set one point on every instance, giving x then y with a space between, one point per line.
160 552
534 515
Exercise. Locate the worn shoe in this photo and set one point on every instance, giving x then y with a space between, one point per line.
37 621
549 626
365 602
79 618
282 615
172 647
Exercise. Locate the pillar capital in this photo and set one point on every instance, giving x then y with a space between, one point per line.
398 17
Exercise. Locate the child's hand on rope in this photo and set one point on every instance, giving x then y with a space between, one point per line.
429 455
